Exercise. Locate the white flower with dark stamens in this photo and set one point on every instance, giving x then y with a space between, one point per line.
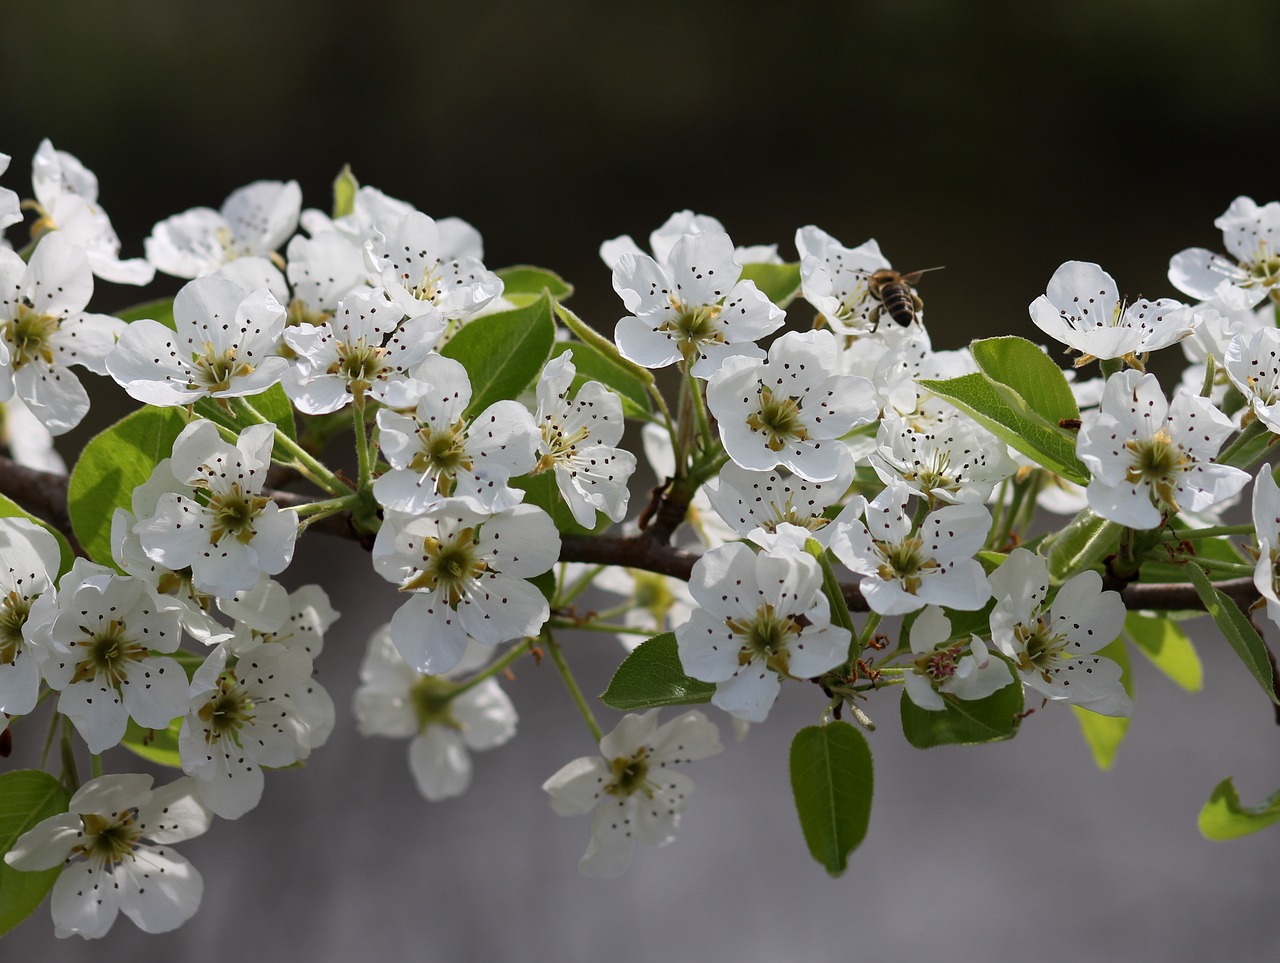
759 618
322 270
232 534
1252 236
755 503
224 347
465 572
107 656
1266 521
29 561
444 724
692 307
439 453
944 667
906 570
834 279
44 330
10 207
791 409
254 221
358 352
631 787
1150 458
114 849
299 620
67 201
578 439
406 257
457 238
1082 309
952 461
1053 646
263 709
1252 362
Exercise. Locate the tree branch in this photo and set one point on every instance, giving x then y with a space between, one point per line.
45 494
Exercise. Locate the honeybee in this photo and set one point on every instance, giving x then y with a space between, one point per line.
895 295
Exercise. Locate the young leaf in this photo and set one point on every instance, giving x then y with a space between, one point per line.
964 722
652 676
66 557
345 187
1168 648
1030 372
1105 733
832 781
591 365
1000 410
27 796
1224 818
1237 629
522 284
504 353
111 466
780 283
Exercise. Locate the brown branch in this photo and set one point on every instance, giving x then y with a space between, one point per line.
45 494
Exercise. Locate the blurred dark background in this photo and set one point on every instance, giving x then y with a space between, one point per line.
998 139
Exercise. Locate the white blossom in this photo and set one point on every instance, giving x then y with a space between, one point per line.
114 849
577 443
1252 236
1053 646
466 573
631 787
693 307
224 347
835 280
1149 458
791 409
1266 522
905 569
29 561
953 461
443 722
10 207
254 221
235 534
1082 309
1252 362
43 330
664 238
941 668
755 503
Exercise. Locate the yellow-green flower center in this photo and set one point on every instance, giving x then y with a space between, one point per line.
213 372
442 453
693 324
234 512
1157 461
432 697
14 610
778 419
906 562
1042 649
108 653
631 775
227 710
768 635
448 566
30 335
109 840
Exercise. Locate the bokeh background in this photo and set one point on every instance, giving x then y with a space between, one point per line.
998 139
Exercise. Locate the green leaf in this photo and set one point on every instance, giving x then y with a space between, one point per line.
523 284
1001 411
345 186
1103 734
606 348
1168 647
111 466
1224 818
1237 629
652 676
832 781
964 722
159 310
1030 372
504 353
591 365
11 509
155 745
273 404
27 796
780 283
1086 540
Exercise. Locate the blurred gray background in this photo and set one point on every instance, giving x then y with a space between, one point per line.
998 139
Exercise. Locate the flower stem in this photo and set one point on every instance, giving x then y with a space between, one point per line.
571 684
700 412
303 460
1169 535
362 447
835 598
492 668
594 625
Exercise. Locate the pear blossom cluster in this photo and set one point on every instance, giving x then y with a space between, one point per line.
834 509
